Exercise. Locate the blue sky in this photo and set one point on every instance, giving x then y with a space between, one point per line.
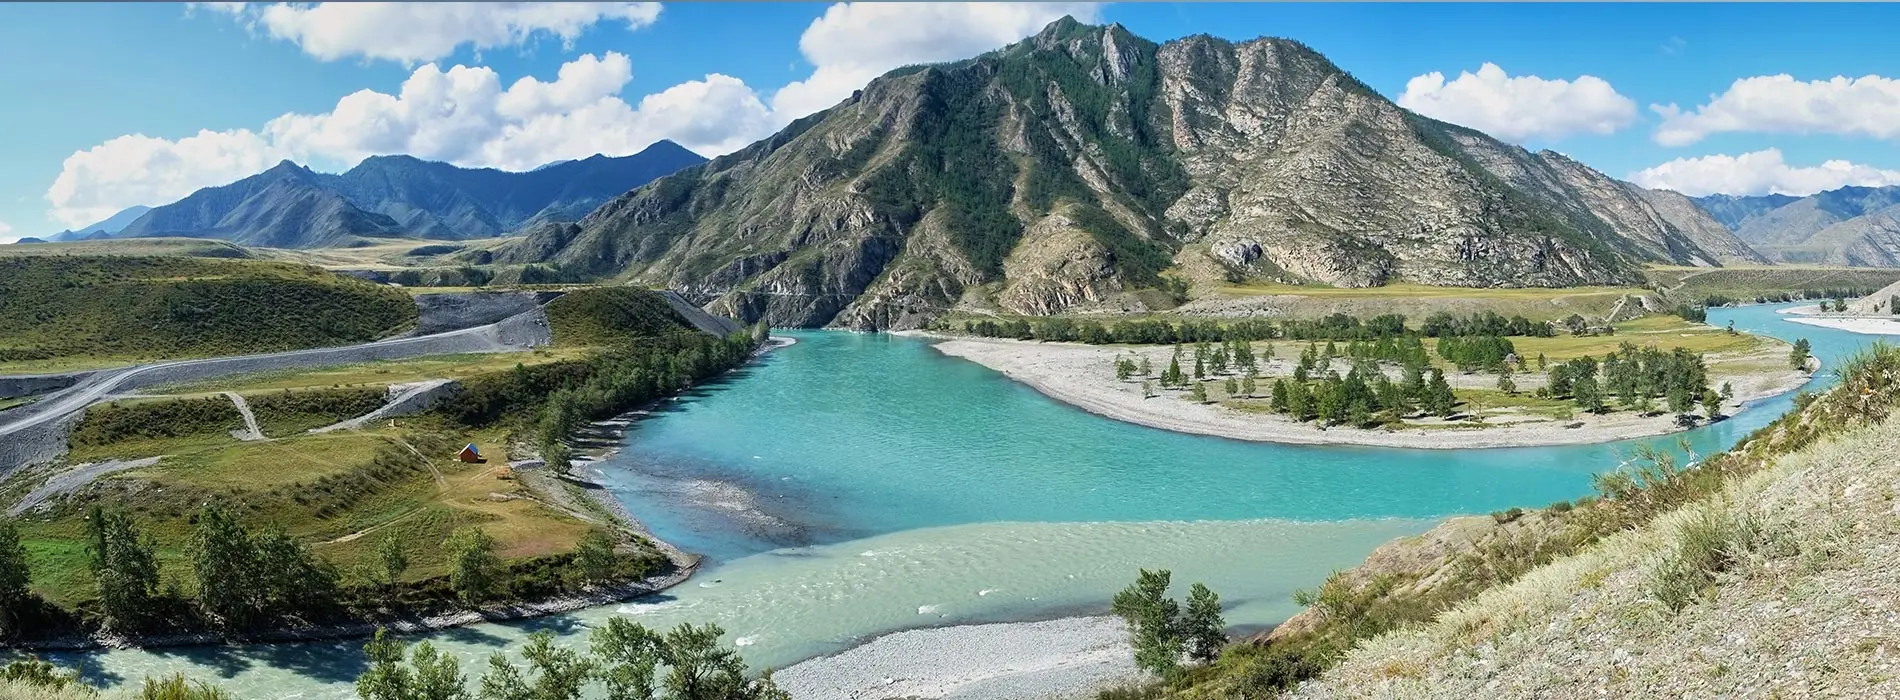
114 105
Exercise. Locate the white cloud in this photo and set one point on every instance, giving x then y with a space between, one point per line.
465 115
137 169
1759 172
1865 106
461 115
857 41
1520 108
410 32
5 233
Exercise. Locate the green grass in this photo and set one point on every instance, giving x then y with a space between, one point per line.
72 312
1416 301
1746 283
1664 332
612 315
186 247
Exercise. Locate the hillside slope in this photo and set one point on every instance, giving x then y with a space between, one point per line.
1760 571
1066 172
167 307
290 206
1852 226
1779 585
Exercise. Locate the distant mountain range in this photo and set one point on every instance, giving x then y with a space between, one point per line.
103 229
1856 226
1064 173
291 206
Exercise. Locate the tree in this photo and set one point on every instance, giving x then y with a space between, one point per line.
1439 399
1198 391
1893 304
1202 626
559 673
224 562
1147 369
177 687
1712 404
1200 368
1728 392
1147 389
1505 384
473 565
594 555
1799 356
15 577
392 559
1584 392
291 580
1232 387
429 675
1247 385
1542 362
1153 621
1680 400
1124 368
1277 396
1172 377
123 565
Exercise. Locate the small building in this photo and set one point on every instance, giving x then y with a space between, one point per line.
470 454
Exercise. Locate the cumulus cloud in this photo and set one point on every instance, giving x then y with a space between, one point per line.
461 115
1864 106
137 169
1520 108
857 41
466 115
410 32
1759 172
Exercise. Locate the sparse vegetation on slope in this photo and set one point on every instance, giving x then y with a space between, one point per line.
55 308
1644 556
612 316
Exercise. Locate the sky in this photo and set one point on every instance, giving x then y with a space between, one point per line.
110 106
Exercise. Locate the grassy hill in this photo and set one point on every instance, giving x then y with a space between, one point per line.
56 310
612 315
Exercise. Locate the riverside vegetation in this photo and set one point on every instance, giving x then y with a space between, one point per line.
624 661
1419 582
309 531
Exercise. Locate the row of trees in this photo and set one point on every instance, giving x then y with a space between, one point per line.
1353 400
623 662
246 580
1637 377
1337 327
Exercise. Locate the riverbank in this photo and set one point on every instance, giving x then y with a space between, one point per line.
1079 375
1062 658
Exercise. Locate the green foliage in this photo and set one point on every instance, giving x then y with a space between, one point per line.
1161 631
392 559
106 424
1799 355
558 673
177 687
124 566
602 384
39 675
612 316
245 580
184 307
1713 541
290 412
473 565
594 556
428 675
1140 260
15 596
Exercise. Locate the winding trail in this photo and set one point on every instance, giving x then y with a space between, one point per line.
251 431
72 479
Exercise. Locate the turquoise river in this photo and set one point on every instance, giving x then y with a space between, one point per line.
857 484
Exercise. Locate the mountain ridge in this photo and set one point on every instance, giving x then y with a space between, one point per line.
1851 226
291 206
1065 172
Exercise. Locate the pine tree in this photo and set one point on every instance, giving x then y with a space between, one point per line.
225 564
1147 369
1172 377
1202 626
1198 391
1147 389
1247 385
429 675
1505 384
1277 396
1232 386
1799 356
123 565
1439 399
1200 368
1153 621
15 578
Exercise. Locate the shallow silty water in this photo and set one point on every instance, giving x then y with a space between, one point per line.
857 484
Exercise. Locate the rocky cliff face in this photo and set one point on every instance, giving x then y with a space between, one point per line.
1067 172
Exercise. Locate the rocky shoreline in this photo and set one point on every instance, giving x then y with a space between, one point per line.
1075 374
1064 657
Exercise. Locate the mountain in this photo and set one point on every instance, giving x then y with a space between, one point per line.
1735 210
290 206
1065 172
1848 226
287 206
114 224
